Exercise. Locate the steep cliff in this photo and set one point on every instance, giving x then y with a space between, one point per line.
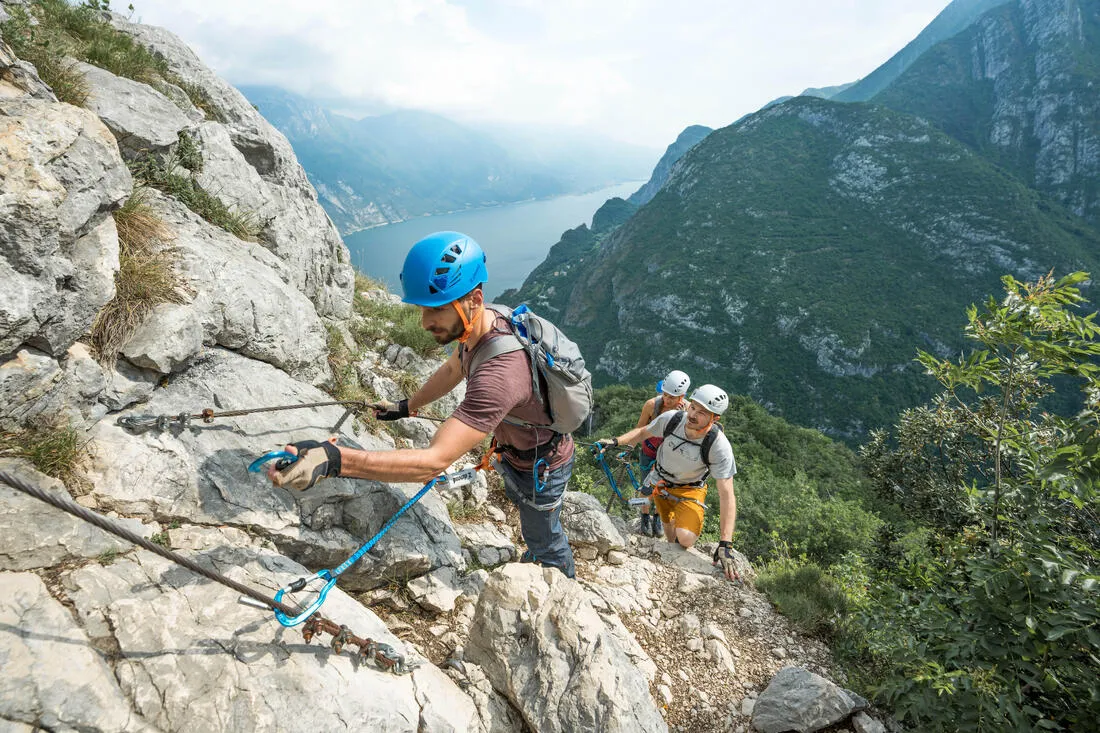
1021 86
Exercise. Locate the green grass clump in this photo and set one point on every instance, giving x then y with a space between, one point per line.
44 32
146 277
395 322
43 46
57 450
167 176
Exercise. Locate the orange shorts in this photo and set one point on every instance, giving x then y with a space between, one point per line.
684 514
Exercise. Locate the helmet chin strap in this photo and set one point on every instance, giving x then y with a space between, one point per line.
467 324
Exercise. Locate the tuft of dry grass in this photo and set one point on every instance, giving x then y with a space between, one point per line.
146 277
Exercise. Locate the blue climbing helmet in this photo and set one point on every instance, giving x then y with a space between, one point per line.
441 268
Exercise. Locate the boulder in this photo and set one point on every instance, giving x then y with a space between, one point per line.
167 340
562 664
199 474
243 299
298 231
437 591
799 700
142 119
586 523
489 546
24 379
19 78
60 176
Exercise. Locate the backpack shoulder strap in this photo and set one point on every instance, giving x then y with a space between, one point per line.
708 441
674 422
496 347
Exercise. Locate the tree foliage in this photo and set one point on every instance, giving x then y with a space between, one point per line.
991 623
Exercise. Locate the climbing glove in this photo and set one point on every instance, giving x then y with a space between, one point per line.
605 443
316 460
389 411
723 554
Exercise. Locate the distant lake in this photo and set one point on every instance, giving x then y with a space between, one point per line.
515 237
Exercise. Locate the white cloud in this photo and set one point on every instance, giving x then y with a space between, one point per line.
637 70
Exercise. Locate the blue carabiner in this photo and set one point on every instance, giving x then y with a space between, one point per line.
297 585
283 457
540 483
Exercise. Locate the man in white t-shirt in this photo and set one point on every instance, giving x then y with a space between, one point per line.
694 449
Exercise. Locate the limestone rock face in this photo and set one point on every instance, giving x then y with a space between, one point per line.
60 176
542 643
53 678
199 474
36 535
142 119
245 300
19 78
295 227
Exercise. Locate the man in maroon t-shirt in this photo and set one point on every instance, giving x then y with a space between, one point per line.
443 274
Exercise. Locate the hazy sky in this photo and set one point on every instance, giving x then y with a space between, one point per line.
636 70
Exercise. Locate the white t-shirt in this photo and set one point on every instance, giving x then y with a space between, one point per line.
680 460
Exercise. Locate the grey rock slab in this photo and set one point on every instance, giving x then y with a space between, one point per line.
53 678
799 700
200 474
864 723
60 175
192 658
565 666
142 119
19 78
127 384
25 378
625 587
586 523
36 388
244 298
436 591
34 534
299 231
487 543
167 340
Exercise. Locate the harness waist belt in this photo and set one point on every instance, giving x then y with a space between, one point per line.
665 494
531 454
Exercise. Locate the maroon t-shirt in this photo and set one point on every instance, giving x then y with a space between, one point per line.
501 386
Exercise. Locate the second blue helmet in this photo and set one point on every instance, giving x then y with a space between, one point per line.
441 268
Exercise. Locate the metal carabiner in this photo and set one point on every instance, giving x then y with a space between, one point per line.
297 585
283 457
540 480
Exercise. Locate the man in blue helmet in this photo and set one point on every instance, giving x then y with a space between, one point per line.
443 275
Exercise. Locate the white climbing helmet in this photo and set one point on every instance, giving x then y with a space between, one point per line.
676 384
711 398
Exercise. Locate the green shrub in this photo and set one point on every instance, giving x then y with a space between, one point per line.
55 449
793 509
804 593
989 620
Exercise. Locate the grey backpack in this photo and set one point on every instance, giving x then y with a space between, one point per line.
551 355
